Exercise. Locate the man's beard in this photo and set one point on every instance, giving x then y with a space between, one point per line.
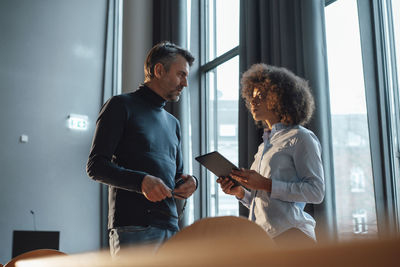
173 97
176 99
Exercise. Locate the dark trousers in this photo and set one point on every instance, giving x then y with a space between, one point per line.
137 235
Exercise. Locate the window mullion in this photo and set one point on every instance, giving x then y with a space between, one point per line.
215 129
392 97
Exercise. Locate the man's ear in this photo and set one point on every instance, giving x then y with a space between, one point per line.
158 70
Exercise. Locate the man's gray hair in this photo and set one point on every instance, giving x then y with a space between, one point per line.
164 53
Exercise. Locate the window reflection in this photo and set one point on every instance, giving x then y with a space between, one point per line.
360 225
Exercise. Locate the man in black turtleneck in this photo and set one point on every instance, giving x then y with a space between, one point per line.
136 151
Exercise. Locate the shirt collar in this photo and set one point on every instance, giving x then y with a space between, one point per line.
275 128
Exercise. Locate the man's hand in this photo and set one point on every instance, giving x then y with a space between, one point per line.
154 189
252 179
228 187
186 189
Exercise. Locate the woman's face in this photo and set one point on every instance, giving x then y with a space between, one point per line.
260 108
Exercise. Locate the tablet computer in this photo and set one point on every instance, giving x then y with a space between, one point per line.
217 164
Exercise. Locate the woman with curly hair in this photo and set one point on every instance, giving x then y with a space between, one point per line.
287 170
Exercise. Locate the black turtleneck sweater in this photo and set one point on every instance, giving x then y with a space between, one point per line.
135 137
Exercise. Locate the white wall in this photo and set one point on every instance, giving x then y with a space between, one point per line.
51 65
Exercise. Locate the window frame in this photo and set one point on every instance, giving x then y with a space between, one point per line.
204 202
378 104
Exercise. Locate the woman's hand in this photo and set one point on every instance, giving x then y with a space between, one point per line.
252 179
228 187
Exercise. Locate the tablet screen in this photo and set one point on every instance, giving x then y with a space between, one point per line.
216 163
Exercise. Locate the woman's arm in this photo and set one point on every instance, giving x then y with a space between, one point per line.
230 188
308 164
252 179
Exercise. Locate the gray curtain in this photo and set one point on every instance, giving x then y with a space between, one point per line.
289 34
110 88
169 24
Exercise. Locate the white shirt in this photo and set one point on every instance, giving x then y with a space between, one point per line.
291 157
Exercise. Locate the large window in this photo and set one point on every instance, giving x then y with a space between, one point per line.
362 38
354 190
363 49
220 77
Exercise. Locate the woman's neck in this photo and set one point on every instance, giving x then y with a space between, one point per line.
271 123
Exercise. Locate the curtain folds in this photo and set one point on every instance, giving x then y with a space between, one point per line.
111 87
289 34
169 24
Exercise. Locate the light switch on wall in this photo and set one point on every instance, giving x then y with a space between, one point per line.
24 138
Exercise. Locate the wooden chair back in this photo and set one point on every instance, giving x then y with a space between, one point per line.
38 253
227 235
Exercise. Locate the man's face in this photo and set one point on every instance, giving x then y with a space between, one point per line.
173 81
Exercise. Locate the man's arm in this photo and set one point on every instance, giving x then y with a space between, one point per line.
109 130
187 188
188 183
